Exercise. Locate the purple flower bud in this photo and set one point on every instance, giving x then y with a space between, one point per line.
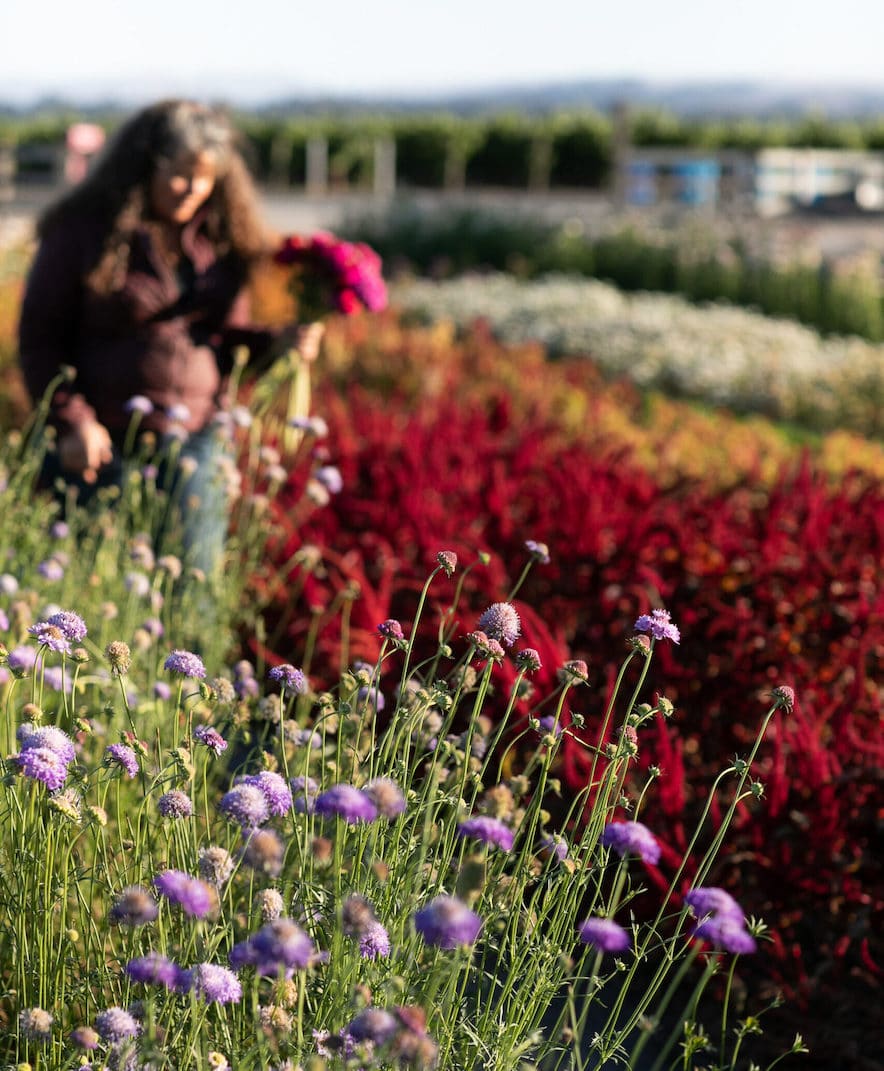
391 629
210 738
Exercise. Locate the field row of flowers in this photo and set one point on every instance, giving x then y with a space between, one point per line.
718 354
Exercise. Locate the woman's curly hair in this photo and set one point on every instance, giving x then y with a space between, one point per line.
116 191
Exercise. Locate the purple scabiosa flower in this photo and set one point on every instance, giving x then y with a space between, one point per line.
488 830
44 765
711 900
604 934
175 804
784 697
51 637
21 660
289 677
35 1024
246 805
554 846
123 756
548 725
263 851
178 413
72 626
391 629
85 1037
186 663
501 622
213 984
137 583
154 969
215 865
153 627
116 1024
210 738
138 403
528 660
659 625
538 551
280 945
195 897
374 942
304 793
632 838
447 559
51 569
330 478
485 646
447 922
347 802
133 907
162 690
727 933
276 792
374 1025
50 736
386 795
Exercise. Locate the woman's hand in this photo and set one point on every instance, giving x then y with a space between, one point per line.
84 449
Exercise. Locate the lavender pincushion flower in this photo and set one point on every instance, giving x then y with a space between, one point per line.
274 788
154 969
48 736
212 983
194 897
138 403
727 933
501 622
304 793
246 805
293 680
51 637
631 838
72 625
280 945
210 738
447 922
658 623
186 663
386 795
604 935
133 907
488 830
116 1024
711 900
374 942
124 757
44 765
347 802
175 804
373 1024
391 629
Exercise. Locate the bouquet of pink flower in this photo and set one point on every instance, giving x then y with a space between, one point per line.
331 275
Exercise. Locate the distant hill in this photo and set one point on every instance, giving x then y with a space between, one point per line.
695 99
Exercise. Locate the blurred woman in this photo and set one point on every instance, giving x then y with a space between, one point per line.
140 286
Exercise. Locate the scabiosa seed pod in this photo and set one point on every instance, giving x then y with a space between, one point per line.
784 697
604 934
246 805
357 914
374 942
274 789
263 851
115 1025
195 897
215 865
72 626
528 660
213 984
270 904
85 1037
641 644
133 907
154 969
67 803
186 663
175 804
631 838
391 629
123 756
448 560
35 1024
347 802
501 622
488 830
485 646
386 795
538 551
290 678
447 922
658 623
210 738
575 670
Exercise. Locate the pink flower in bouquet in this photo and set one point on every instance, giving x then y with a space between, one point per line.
333 275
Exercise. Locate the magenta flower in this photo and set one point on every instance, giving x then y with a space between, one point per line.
488 830
659 625
194 897
501 622
604 935
631 838
391 629
528 660
447 922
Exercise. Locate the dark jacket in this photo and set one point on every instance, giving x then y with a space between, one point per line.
167 335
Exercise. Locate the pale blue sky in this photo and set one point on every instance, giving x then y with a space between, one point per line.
249 49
